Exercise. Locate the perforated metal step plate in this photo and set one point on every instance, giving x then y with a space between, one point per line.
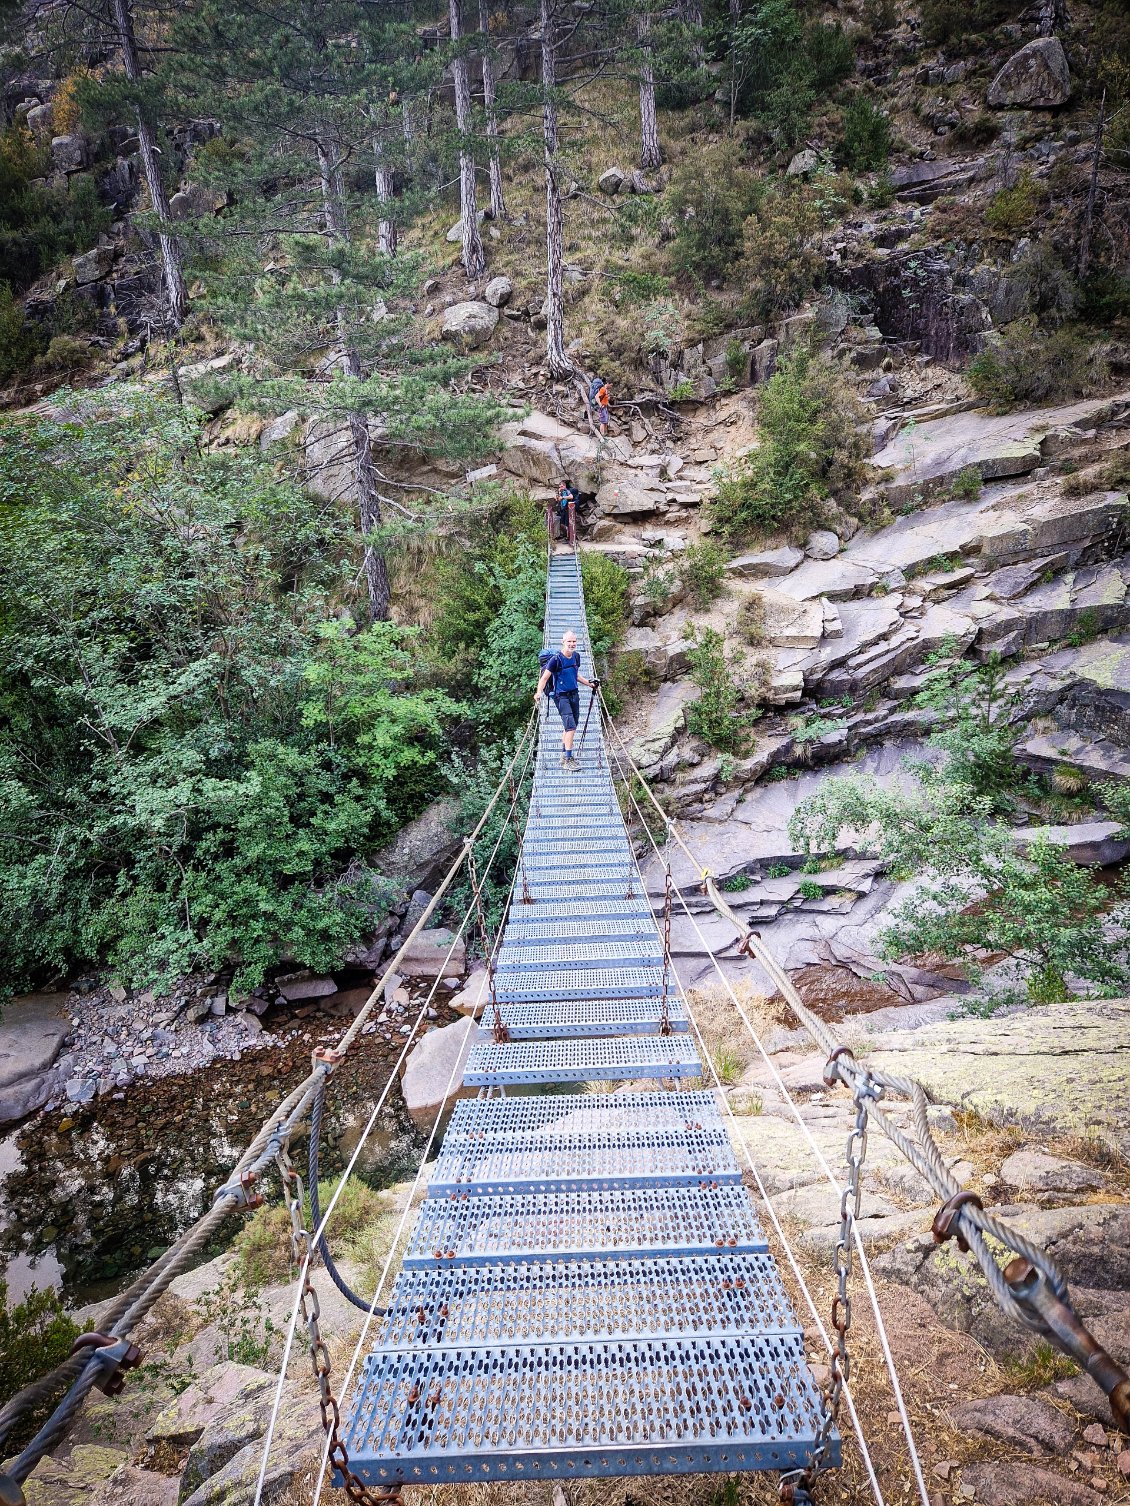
579 1225
596 930
726 1296
597 983
508 1165
592 1017
673 1406
580 956
620 1058
571 907
581 1113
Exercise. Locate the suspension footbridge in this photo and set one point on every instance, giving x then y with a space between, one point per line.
588 1290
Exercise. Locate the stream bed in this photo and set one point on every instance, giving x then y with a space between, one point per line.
92 1193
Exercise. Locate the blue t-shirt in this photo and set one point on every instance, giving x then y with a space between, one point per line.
564 671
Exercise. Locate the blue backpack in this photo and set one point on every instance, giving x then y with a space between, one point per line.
545 659
594 387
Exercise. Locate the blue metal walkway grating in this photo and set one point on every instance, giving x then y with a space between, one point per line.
587 1290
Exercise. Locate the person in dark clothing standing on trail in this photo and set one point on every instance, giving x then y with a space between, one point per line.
564 669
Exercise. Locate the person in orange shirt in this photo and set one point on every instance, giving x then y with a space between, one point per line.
603 403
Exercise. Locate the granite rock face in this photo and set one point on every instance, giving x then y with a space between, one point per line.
1035 78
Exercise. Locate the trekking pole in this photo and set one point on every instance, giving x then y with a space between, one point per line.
588 713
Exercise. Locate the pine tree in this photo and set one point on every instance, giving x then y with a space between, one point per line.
474 257
556 359
651 156
293 269
490 104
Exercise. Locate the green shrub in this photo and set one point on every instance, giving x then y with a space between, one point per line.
865 139
809 446
715 716
945 20
18 341
605 586
1029 365
711 196
976 130
64 354
40 225
1012 210
702 572
831 55
35 1336
967 484
810 889
783 254
1105 296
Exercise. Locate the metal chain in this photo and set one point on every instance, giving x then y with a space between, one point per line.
795 1487
500 1031
311 1312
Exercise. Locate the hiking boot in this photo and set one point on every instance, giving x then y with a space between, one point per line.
564 760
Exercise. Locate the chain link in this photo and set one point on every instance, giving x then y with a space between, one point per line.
310 1310
867 1092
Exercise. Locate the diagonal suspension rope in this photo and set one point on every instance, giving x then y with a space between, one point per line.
85 1368
318 1236
856 1237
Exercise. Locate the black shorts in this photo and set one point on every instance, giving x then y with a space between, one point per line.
569 708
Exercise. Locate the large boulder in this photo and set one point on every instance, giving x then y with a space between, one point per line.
767 562
1035 78
92 266
70 154
220 1391
455 234
293 1460
1023 1422
498 292
427 955
433 1073
469 325
788 623
629 497
32 1031
423 850
611 180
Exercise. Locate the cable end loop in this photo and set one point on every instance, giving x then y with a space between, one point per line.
832 1075
947 1220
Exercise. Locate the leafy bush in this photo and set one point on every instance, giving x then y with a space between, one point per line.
605 584
809 446
945 20
831 55
715 716
711 196
18 341
865 139
1029 365
219 748
967 484
507 666
783 254
1051 917
1012 210
35 1336
64 354
40 225
980 732
702 571
810 889
976 130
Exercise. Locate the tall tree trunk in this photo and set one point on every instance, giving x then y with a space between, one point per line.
556 359
735 18
650 155
1092 192
490 95
386 227
360 441
474 258
176 294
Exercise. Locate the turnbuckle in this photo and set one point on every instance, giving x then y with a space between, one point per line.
112 1356
1034 1296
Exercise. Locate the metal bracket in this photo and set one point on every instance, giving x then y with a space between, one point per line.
1031 1292
945 1225
112 1356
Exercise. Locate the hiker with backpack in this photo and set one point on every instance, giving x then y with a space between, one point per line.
566 499
562 667
600 401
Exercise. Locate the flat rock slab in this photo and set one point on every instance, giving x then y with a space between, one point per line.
32 1029
929 454
427 955
220 1392
1061 1068
433 1072
1087 842
1024 1422
423 850
1036 1171
1015 1484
